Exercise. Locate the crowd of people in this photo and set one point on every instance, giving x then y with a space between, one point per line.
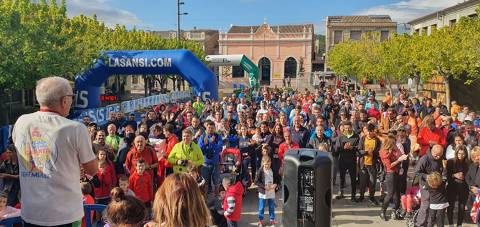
159 168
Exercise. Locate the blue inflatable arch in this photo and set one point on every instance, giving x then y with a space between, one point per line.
180 62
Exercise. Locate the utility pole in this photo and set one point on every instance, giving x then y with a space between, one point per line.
179 2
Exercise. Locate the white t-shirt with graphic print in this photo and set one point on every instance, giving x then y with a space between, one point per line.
50 151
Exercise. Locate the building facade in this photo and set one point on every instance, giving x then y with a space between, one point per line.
206 37
343 28
280 51
446 17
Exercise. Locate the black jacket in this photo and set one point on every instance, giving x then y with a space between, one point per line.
426 165
260 180
453 168
347 155
362 152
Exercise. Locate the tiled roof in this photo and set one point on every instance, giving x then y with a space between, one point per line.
360 19
281 28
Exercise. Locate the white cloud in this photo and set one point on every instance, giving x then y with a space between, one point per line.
408 10
104 11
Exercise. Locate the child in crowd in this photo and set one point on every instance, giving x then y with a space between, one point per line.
232 202
102 156
125 210
201 182
7 211
105 183
267 182
123 184
141 183
87 198
438 199
410 200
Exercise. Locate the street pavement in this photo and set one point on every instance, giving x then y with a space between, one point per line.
345 212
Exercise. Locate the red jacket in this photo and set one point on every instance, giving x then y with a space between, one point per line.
232 203
133 155
373 112
425 136
141 185
106 180
283 148
388 158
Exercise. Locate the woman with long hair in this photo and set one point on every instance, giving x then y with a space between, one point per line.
457 188
179 203
391 158
274 141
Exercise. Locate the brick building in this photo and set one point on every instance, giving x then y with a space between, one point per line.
280 51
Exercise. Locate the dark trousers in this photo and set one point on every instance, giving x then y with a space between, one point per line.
457 192
368 178
402 182
231 223
352 171
391 181
436 217
422 216
26 224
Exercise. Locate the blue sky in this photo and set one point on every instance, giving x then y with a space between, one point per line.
220 14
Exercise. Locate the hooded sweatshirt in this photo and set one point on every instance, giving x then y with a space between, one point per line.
232 202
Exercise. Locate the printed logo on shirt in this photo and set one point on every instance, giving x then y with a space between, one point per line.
38 155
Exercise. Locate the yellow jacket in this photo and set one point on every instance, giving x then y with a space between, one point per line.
182 151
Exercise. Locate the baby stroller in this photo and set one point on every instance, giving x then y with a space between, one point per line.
415 206
231 161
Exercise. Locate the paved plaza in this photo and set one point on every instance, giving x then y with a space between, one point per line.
345 213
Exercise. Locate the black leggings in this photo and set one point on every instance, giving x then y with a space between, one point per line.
457 192
391 182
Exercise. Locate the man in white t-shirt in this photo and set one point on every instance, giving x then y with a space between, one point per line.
51 150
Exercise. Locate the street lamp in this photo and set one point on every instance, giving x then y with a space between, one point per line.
178 17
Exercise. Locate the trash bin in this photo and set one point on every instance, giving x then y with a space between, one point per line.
307 188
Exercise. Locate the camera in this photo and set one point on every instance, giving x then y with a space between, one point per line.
183 162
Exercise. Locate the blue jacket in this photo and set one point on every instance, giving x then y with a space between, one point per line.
211 150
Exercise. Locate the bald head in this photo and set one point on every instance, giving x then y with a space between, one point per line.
51 90
437 151
139 143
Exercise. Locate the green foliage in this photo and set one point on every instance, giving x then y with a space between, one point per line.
39 40
451 52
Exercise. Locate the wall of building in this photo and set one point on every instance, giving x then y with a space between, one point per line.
277 47
426 25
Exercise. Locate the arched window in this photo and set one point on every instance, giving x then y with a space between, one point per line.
264 67
290 68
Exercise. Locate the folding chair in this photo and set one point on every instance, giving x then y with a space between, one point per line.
9 222
88 208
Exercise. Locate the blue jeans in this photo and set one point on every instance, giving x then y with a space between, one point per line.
271 208
211 174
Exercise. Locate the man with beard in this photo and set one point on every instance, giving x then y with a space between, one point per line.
387 122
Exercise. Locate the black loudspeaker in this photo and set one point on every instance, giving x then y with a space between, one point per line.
307 188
